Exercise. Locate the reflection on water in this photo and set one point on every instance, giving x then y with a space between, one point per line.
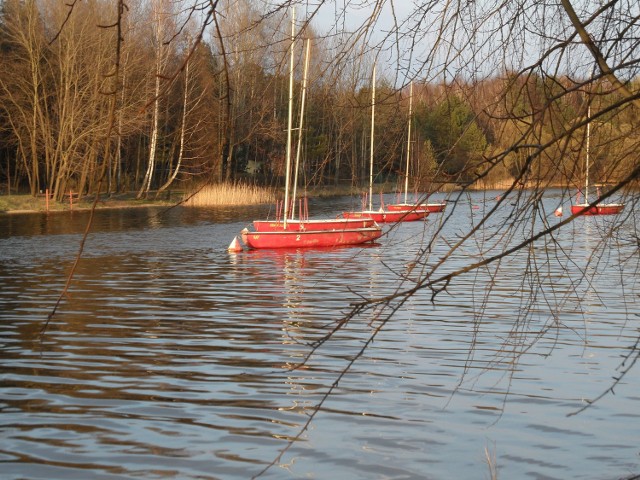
171 358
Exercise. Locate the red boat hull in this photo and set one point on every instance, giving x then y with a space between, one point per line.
388 216
428 207
319 224
599 209
310 238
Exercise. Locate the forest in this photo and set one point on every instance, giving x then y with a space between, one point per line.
181 101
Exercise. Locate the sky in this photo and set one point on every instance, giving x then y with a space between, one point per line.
335 17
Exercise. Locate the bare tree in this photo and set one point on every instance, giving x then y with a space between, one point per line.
22 94
162 20
192 99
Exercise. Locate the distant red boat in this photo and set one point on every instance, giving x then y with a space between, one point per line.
586 208
387 216
417 207
597 209
428 207
407 214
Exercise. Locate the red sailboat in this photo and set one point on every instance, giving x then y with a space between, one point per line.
304 232
387 216
585 208
310 238
428 207
406 206
406 214
312 224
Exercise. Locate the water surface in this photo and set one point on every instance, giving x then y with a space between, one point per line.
171 358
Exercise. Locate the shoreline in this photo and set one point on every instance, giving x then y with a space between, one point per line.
82 209
25 204
22 204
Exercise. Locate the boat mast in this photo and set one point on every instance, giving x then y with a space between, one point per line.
288 164
406 175
586 181
304 94
373 112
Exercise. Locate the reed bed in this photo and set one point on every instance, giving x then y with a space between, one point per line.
230 194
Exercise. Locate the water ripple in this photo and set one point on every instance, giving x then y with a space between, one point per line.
170 357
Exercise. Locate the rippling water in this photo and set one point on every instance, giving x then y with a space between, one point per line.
170 358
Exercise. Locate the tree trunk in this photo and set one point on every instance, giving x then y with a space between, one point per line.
159 35
173 175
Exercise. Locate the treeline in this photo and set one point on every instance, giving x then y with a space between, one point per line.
214 109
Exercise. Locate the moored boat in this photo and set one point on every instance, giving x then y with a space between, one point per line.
586 208
405 206
310 238
304 232
597 209
427 207
382 215
387 216
313 224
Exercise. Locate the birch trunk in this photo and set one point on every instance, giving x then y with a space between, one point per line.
159 35
185 98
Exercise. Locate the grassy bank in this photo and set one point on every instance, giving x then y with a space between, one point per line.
22 203
211 195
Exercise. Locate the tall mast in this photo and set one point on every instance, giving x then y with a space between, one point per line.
288 164
406 175
586 179
304 94
373 114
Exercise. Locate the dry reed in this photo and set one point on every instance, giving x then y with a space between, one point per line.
230 194
492 463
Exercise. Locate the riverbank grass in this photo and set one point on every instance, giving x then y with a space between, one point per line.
25 203
21 203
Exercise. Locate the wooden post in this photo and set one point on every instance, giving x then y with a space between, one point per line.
46 199
70 200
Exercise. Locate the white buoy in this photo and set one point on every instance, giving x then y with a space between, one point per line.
558 212
234 246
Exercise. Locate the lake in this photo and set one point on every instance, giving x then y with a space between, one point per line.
171 358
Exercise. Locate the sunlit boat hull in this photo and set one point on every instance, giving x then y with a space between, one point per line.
310 238
317 224
388 216
428 207
599 209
